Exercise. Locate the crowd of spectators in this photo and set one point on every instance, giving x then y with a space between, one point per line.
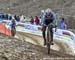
36 20
4 16
33 20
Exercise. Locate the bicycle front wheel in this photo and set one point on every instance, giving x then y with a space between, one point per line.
48 41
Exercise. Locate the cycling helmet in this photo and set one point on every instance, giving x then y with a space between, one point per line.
48 10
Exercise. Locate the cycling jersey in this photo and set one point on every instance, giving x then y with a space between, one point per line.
53 18
13 24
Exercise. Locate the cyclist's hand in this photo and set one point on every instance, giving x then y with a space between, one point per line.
55 28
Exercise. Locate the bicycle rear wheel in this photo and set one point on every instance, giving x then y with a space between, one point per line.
13 31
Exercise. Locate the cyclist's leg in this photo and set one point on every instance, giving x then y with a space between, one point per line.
43 33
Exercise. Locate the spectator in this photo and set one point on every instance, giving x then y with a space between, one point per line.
63 24
6 16
3 16
37 21
17 18
22 17
32 20
9 17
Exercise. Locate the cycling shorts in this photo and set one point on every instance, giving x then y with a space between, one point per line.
48 21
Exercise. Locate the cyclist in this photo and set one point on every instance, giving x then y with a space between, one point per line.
49 18
13 29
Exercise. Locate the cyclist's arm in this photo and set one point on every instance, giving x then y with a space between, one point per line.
43 20
54 19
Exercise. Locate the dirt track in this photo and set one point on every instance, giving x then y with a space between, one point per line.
12 48
38 40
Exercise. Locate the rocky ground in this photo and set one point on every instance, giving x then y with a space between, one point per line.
15 49
33 7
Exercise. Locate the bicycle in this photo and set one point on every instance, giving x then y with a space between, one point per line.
49 37
13 31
